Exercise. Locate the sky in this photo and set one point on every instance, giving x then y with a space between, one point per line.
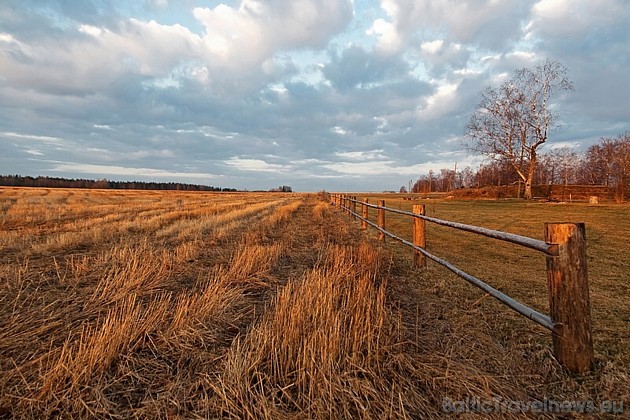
315 94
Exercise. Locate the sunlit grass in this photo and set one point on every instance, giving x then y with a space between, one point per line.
206 305
521 273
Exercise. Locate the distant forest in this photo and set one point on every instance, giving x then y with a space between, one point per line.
51 182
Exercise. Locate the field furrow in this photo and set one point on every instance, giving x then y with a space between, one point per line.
259 305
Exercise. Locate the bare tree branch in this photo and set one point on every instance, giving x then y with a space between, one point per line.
513 121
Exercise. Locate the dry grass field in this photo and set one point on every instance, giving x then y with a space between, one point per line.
205 305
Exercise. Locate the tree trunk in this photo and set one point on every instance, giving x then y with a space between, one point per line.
528 190
530 177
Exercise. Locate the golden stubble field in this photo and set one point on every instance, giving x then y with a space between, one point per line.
205 305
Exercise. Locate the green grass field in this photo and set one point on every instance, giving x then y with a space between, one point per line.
520 272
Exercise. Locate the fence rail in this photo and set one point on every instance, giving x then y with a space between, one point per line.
565 250
535 244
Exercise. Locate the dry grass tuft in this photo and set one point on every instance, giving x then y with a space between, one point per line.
123 329
323 350
137 270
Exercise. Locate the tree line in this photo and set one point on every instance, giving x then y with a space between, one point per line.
53 182
606 163
510 126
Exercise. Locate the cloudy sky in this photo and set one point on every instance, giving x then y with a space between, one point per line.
316 94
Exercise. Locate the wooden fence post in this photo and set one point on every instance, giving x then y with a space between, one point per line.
419 238
381 219
354 205
364 214
569 303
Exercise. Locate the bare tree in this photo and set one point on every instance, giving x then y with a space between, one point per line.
467 177
608 163
616 154
513 121
559 166
447 178
623 165
600 162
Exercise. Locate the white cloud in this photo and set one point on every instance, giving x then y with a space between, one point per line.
236 52
390 168
338 130
92 63
362 156
432 47
525 56
488 22
562 144
8 38
256 165
361 168
34 152
389 40
565 17
46 139
244 39
440 102
125 171
90 30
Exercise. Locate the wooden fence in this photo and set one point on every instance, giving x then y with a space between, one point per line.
564 246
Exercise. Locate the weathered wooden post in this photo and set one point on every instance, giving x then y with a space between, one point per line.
349 206
364 213
381 219
419 238
354 205
569 304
